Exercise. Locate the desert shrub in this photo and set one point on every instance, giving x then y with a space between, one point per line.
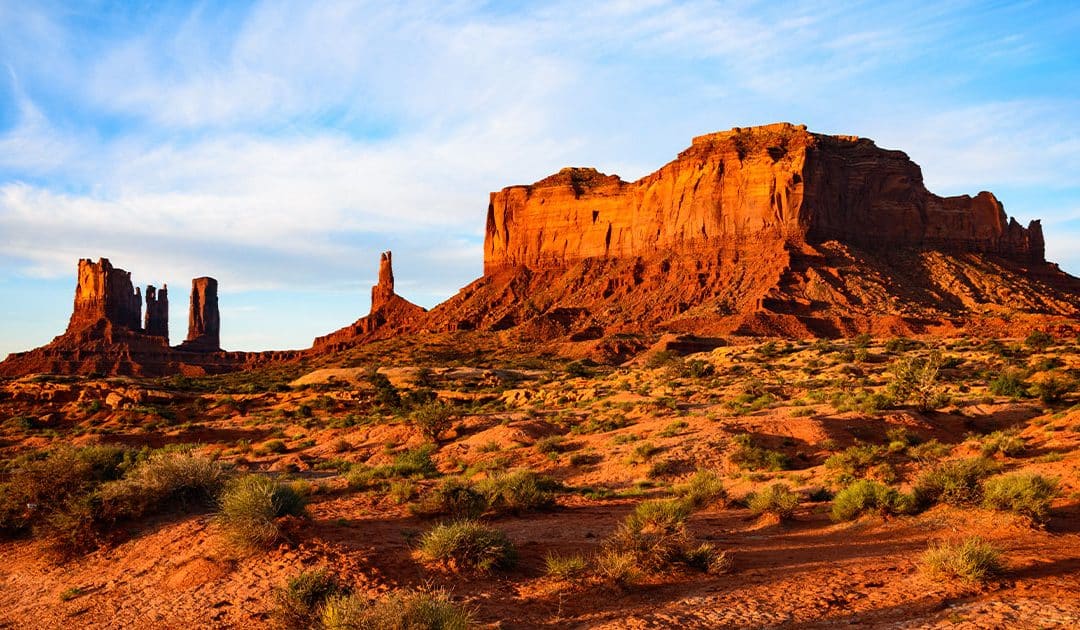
455 497
518 491
865 401
675 428
900 438
698 368
661 468
273 446
1052 388
929 451
361 477
415 462
467 544
1027 494
432 419
708 559
865 496
660 359
1039 340
399 610
250 507
973 560
565 567
749 456
402 491
855 461
643 452
385 393
1009 382
955 483
915 379
299 603
702 490
1005 442
551 445
654 533
617 567
175 477
777 500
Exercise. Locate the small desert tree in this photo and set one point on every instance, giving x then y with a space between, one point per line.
915 379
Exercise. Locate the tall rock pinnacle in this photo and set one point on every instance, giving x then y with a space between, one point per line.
105 292
157 312
204 322
382 292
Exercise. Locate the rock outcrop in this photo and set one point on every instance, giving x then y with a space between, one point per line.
104 335
157 312
738 189
204 321
390 314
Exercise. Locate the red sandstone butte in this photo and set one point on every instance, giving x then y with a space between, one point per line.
204 321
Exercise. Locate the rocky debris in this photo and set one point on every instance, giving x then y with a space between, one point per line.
157 312
204 321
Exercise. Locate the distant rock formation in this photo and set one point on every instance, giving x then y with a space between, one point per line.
157 312
390 314
204 321
104 335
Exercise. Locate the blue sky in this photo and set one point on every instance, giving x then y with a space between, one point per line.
279 146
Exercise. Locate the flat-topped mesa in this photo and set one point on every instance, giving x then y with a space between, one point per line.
383 292
104 292
157 312
204 321
736 189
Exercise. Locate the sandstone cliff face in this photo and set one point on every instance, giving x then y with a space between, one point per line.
105 292
734 190
204 321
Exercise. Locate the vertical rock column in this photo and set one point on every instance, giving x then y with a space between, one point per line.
204 322
157 312
382 293
105 292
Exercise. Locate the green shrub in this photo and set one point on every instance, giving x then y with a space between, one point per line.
299 604
915 379
518 491
399 610
361 477
551 445
565 567
777 500
654 533
1027 494
973 560
467 544
707 558
643 452
433 419
1009 383
250 507
273 446
1004 442
455 497
929 451
415 462
1039 340
165 478
674 429
702 490
955 483
865 496
1052 388
749 456
855 461
617 567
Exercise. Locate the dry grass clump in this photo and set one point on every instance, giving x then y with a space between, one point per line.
973 560
956 482
776 500
866 496
402 609
655 536
1027 494
503 493
750 456
703 489
250 508
566 567
299 604
467 544
456 497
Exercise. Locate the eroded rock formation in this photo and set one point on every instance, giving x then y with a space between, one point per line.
104 292
204 321
157 312
390 313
